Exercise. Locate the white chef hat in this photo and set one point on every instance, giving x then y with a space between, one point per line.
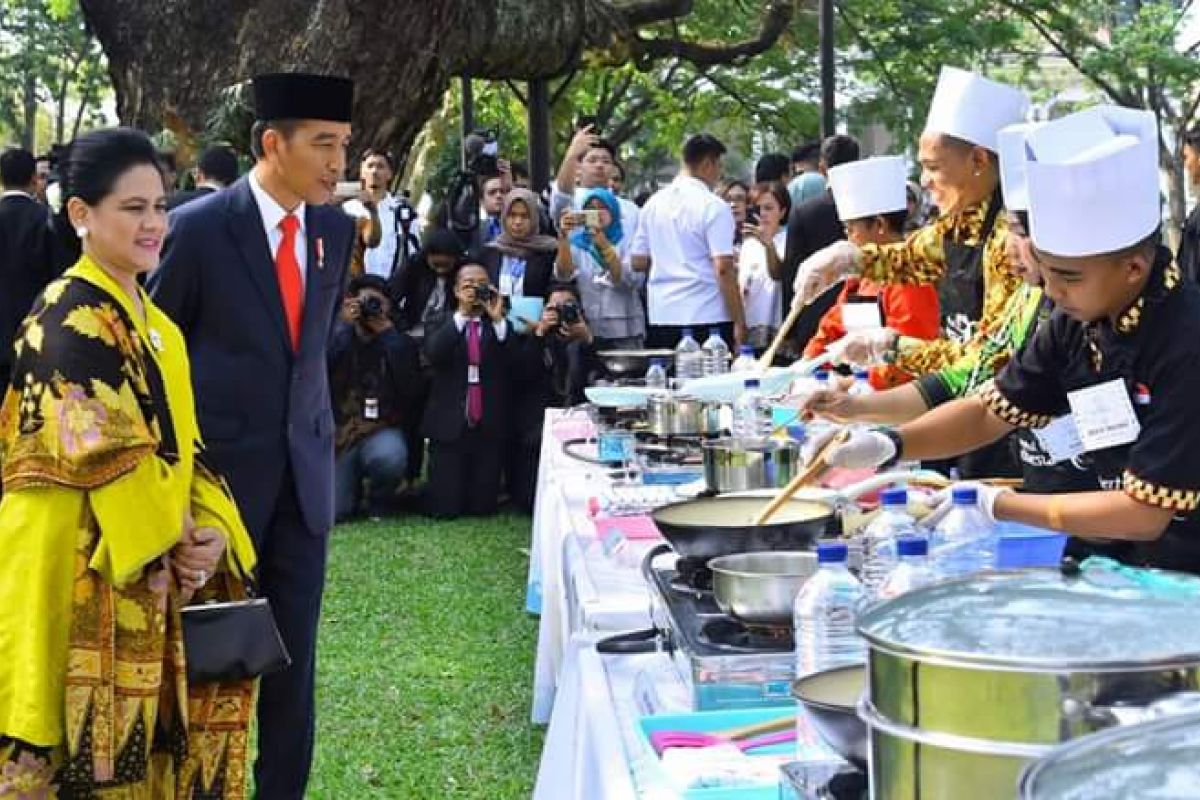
1010 146
1093 181
869 187
970 107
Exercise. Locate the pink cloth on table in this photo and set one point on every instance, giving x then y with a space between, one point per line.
637 527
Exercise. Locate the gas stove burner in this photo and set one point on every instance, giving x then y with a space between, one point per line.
728 632
692 575
847 785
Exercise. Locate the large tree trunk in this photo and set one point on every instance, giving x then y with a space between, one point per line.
170 59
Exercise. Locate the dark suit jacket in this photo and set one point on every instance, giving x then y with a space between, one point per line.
811 225
261 405
445 418
26 264
539 270
187 195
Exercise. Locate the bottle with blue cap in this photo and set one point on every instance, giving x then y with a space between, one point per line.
880 537
656 376
862 384
912 570
825 612
716 353
964 542
745 362
689 358
751 415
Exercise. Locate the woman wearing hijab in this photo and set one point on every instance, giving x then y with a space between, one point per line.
520 261
596 256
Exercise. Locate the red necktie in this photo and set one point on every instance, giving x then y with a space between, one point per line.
474 390
287 271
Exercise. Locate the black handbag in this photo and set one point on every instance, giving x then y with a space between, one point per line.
232 641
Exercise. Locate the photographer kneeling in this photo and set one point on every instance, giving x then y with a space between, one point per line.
373 371
554 361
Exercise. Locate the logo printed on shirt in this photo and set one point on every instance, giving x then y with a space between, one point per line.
1141 394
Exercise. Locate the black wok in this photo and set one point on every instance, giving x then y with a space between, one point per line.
626 364
717 526
831 699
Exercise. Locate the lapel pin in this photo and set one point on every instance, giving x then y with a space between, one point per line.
320 253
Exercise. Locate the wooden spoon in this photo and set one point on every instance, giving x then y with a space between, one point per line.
784 329
814 470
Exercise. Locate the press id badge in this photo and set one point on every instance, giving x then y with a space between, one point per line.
1060 439
371 408
472 373
1104 415
861 316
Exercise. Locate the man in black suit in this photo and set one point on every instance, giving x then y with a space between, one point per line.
253 276
467 415
26 244
812 225
216 169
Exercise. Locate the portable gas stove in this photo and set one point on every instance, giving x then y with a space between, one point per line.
823 782
725 663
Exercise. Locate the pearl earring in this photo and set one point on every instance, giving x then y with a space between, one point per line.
81 232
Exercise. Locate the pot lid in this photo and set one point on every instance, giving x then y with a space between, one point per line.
1102 619
1155 761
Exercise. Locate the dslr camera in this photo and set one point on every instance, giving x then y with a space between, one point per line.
485 163
568 313
484 295
370 305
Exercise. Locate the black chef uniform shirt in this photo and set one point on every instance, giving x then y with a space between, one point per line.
1154 349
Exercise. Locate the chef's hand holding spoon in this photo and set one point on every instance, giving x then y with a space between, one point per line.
864 449
823 269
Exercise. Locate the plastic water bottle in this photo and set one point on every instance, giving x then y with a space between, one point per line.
689 358
880 537
716 353
656 376
964 542
824 615
748 413
746 362
862 384
912 571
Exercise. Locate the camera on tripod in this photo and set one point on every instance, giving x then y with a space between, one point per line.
483 152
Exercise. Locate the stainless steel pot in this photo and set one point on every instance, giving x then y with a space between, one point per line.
679 415
731 465
1159 759
969 681
761 588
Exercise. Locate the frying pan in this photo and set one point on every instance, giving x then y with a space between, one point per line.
716 526
831 699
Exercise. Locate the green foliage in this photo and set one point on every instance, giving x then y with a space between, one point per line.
49 59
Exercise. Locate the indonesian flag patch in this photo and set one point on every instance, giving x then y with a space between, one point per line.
1141 394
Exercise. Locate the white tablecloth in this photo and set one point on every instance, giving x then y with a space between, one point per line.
572 583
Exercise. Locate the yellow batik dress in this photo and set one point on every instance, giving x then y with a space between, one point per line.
101 464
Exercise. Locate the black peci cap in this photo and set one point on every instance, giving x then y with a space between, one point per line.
297 95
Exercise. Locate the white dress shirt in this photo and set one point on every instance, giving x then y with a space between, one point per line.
683 228
760 292
378 260
501 327
273 214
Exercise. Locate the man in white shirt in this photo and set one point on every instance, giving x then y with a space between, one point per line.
685 240
397 220
590 163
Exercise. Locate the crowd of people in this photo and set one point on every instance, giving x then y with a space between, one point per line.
192 400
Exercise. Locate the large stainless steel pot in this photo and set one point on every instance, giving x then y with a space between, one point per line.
1159 759
679 415
969 681
731 465
761 588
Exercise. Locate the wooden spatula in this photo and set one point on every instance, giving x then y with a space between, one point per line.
814 470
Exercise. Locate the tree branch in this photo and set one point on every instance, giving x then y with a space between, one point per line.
1119 95
776 18
863 42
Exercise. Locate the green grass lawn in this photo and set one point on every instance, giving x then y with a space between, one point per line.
426 662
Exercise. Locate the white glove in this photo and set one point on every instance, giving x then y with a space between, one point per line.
823 269
943 501
864 348
865 449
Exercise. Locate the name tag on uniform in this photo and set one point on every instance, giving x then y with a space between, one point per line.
1060 439
472 373
861 316
1104 416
